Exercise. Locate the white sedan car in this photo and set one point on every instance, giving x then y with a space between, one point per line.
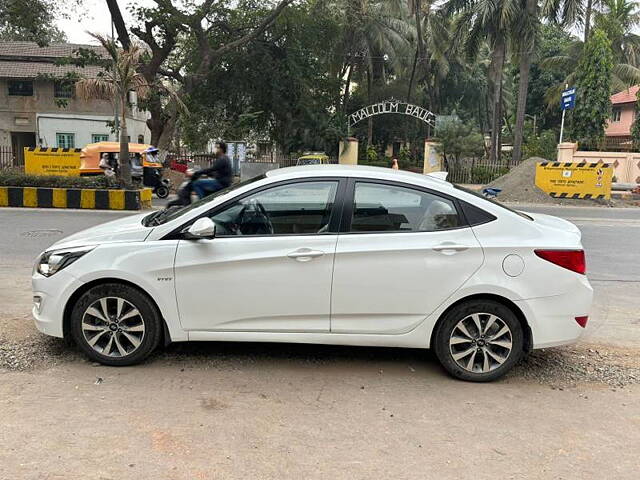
331 255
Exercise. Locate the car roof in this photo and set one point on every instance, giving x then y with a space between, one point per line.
334 170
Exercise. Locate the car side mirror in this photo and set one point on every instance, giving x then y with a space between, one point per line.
203 228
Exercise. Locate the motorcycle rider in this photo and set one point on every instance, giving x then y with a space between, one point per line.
220 174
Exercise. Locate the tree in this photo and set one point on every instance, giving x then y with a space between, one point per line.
377 38
30 20
553 41
571 13
249 95
620 19
184 43
527 31
114 84
478 21
593 81
434 55
635 128
457 140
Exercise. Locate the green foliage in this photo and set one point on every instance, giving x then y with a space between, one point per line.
544 145
283 85
16 178
295 82
405 156
481 175
459 140
30 20
553 41
372 154
593 81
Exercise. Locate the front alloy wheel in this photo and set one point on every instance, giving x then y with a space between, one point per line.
113 327
116 324
479 340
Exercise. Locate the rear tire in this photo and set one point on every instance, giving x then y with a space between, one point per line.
479 341
116 325
162 191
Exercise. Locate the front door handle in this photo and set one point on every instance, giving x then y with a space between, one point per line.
449 248
305 254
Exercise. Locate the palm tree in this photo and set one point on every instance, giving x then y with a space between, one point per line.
377 32
479 21
114 84
526 35
619 19
571 13
433 53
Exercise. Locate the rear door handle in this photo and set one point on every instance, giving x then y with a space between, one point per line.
305 254
449 248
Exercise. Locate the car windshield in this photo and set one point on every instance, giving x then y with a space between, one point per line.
495 202
163 216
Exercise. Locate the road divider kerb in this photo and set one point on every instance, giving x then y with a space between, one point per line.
77 198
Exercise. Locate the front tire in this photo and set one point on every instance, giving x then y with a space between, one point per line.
479 341
116 324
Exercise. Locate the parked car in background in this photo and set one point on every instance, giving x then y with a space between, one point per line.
314 158
323 254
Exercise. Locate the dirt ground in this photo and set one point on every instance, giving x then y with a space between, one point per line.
270 411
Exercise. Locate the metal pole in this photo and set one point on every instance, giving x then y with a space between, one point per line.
566 85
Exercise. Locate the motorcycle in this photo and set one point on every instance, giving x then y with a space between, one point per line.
184 191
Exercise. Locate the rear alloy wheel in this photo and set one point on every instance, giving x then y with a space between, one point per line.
115 324
479 341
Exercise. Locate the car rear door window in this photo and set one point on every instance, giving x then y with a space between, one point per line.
391 208
292 209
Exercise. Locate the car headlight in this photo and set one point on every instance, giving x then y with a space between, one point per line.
55 260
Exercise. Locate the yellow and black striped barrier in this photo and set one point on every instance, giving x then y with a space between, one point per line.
582 180
42 197
52 161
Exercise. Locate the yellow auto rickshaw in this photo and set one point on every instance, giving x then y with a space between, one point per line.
313 158
145 167
91 153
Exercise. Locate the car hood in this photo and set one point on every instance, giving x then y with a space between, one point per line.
127 229
555 223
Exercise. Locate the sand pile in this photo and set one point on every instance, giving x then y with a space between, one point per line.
519 184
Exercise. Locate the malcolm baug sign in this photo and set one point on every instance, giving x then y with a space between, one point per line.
391 106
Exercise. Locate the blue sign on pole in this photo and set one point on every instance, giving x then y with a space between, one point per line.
568 99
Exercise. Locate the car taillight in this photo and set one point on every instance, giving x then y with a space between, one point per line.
570 259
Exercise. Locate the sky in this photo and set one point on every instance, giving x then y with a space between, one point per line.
94 17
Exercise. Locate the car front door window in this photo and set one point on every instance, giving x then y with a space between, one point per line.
292 209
